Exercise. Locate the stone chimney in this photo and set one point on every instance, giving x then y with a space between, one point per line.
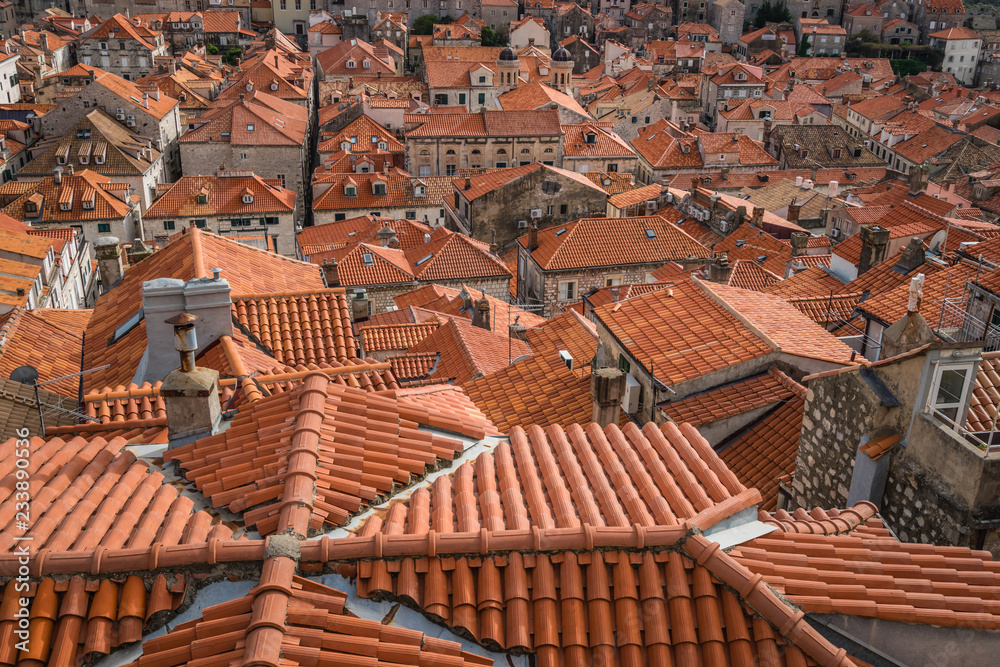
800 242
757 218
518 330
164 298
919 177
533 237
481 317
109 261
607 386
793 213
874 241
719 269
138 252
387 237
910 331
331 277
190 394
913 255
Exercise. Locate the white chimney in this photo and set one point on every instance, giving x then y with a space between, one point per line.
798 181
164 298
833 189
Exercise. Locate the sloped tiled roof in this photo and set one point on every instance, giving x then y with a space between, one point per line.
733 399
352 445
985 399
267 626
225 196
782 323
486 124
190 255
765 452
50 340
383 337
254 119
682 331
85 619
540 390
468 352
594 242
299 327
96 493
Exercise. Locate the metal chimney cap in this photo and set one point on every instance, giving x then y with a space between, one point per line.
182 319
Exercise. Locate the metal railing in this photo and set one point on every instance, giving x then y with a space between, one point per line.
956 323
986 441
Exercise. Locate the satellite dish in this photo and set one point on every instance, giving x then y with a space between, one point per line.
25 375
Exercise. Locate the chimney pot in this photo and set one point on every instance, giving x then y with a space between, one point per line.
793 212
874 241
533 237
185 339
800 242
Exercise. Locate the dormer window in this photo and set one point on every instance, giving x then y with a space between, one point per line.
203 198
345 145
274 85
378 188
352 63
248 198
383 146
88 204
249 87
419 191
591 138
367 64
350 191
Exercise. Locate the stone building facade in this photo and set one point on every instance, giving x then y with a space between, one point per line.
154 116
727 16
443 144
500 212
933 485
122 48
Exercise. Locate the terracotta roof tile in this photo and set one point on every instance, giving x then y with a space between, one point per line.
486 124
449 302
96 493
872 574
985 399
268 625
877 447
682 331
831 309
79 619
394 337
790 330
594 242
766 451
307 459
540 390
468 352
299 327
190 255
891 305
733 399
225 193
48 339
414 369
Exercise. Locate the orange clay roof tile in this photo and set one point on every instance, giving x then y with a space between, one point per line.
96 493
877 447
299 327
48 339
190 255
764 452
540 390
468 352
309 458
782 323
594 242
985 399
79 620
394 337
734 399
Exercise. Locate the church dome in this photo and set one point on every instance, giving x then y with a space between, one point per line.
507 54
562 55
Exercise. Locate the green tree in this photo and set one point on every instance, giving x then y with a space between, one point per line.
769 12
865 37
212 50
907 67
804 46
424 25
491 38
231 55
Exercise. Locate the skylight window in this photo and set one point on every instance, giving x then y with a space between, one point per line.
650 233
250 127
367 259
424 259
561 232
127 326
